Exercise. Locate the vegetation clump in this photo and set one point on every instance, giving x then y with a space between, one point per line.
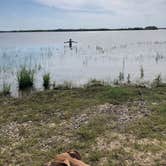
46 81
151 28
25 78
94 83
121 76
157 81
6 90
128 79
141 72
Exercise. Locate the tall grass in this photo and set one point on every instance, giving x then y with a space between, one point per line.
141 72
46 81
128 79
157 81
121 76
25 78
6 89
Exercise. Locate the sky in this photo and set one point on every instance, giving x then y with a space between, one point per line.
54 14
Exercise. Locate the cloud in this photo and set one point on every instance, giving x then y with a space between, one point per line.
64 4
108 13
119 6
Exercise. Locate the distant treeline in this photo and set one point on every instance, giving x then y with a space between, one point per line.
84 30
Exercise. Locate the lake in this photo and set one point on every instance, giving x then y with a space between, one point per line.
97 55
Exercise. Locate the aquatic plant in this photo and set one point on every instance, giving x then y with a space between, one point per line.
121 76
141 72
54 85
128 79
6 89
158 57
46 81
25 78
157 81
116 82
39 67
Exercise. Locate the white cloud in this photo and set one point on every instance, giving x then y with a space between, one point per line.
63 4
107 5
117 13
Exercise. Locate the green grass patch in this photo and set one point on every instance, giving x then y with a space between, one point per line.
46 81
25 78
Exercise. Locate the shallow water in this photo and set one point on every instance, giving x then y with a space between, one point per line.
100 55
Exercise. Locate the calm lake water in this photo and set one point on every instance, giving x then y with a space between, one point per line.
99 55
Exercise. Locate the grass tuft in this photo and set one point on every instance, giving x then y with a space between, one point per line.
94 83
46 81
121 76
141 72
157 81
25 78
6 89
128 79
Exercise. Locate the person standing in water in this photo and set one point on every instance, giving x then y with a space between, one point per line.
70 43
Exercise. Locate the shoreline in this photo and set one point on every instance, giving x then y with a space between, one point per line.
83 30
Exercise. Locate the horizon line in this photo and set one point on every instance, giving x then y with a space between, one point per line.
85 29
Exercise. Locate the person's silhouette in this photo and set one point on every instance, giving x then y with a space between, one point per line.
70 43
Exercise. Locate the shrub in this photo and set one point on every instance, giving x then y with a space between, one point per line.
25 78
46 81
